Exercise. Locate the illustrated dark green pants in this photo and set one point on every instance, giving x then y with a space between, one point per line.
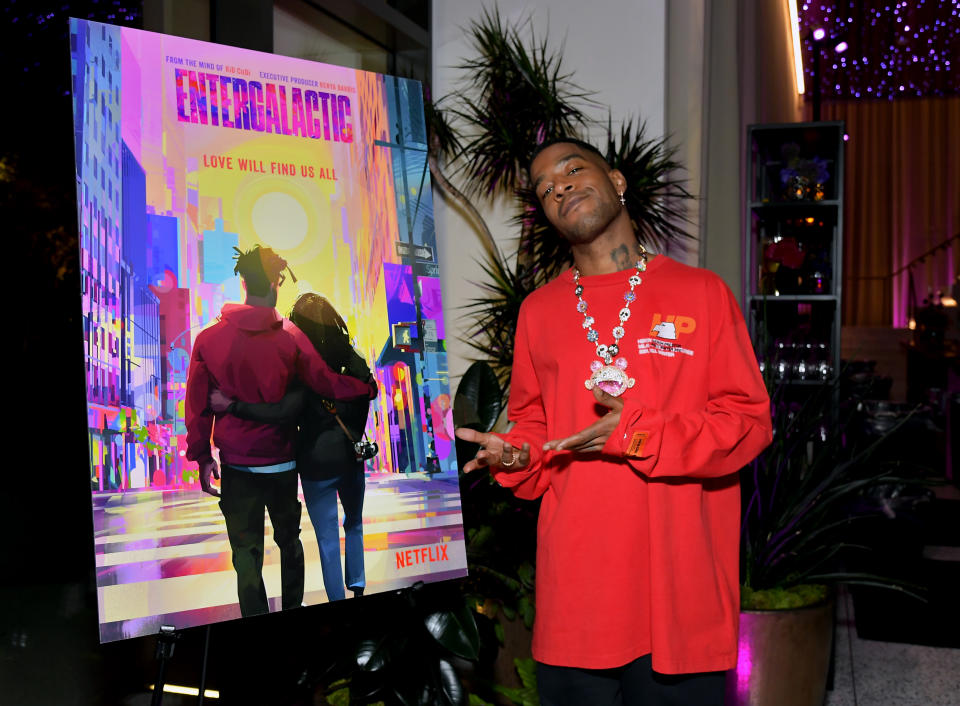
244 495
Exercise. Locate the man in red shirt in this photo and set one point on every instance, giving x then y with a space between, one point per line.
252 354
632 430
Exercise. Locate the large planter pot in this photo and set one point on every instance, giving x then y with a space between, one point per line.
784 657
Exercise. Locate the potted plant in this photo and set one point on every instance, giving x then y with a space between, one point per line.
803 500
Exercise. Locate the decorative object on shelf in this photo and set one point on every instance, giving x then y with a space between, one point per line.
820 272
802 177
784 257
786 251
799 362
824 368
797 187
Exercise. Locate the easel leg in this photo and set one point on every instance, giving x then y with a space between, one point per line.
166 641
203 668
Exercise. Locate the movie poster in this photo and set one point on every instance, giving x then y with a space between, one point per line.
186 152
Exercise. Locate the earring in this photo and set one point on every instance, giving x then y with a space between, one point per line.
623 200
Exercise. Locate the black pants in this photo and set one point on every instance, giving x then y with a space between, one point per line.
634 684
244 495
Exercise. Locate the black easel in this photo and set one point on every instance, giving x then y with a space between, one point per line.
166 641
203 668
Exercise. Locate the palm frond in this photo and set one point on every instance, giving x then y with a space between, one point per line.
444 138
656 192
495 315
517 95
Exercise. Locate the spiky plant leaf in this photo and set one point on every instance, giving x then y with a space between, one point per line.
656 191
444 138
495 316
517 95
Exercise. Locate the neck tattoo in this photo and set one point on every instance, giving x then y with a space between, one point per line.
608 371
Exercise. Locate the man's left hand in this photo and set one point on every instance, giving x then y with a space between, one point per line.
593 438
209 468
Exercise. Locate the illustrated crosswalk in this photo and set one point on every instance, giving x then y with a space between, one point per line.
162 557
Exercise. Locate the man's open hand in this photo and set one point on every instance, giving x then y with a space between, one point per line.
494 451
593 438
209 468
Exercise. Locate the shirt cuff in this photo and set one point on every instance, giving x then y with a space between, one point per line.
637 436
509 477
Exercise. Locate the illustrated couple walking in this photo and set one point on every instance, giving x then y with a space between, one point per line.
280 397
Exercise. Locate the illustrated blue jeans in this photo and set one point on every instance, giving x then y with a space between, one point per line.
320 497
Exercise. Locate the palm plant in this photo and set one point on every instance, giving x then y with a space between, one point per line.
514 97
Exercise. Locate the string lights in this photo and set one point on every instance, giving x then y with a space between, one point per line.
890 49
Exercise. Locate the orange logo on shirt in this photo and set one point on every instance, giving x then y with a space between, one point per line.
664 332
672 326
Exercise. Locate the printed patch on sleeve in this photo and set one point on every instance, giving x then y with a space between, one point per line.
637 442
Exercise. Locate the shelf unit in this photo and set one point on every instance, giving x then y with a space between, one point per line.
793 249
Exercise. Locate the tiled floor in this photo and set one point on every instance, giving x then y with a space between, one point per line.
872 673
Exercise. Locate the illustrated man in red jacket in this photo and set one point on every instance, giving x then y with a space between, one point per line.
632 430
252 354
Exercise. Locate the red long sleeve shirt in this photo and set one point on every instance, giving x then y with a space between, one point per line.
637 546
252 354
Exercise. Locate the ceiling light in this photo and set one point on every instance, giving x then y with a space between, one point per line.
797 56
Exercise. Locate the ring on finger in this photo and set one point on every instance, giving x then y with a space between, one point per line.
513 459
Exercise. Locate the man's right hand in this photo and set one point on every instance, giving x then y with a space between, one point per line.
209 468
494 451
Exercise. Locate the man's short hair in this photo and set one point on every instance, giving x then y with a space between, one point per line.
259 267
566 141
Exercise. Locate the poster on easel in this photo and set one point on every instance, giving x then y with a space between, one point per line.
191 156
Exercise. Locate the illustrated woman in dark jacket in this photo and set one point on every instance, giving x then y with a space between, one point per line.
325 455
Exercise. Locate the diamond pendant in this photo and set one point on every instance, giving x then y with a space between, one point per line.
612 379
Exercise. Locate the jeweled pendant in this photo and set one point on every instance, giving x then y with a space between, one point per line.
612 379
